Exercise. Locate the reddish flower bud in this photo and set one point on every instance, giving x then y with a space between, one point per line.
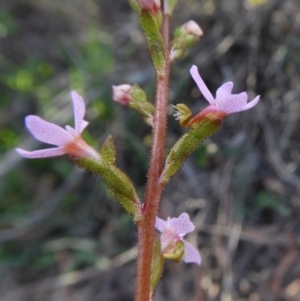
152 6
121 94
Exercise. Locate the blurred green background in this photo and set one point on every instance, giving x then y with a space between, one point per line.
62 236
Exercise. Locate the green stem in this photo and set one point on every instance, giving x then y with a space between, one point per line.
146 228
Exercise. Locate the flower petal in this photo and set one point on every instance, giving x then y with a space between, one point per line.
160 224
191 254
182 224
252 103
79 111
43 153
46 131
232 103
84 124
224 90
201 85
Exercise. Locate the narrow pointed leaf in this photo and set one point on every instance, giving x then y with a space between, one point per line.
157 265
186 145
108 151
151 26
117 182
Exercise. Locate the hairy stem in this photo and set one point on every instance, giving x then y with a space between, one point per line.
146 228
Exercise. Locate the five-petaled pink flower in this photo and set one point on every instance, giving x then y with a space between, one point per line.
68 141
173 230
225 103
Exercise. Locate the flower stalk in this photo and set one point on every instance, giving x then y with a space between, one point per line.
153 248
146 228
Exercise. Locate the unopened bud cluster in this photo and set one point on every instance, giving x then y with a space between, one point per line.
184 37
135 98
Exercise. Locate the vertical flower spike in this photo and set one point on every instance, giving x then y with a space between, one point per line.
173 230
225 102
68 141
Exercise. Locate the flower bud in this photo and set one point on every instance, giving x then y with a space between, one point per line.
121 94
191 27
184 36
152 6
141 104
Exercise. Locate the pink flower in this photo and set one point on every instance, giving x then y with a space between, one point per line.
225 103
173 230
68 141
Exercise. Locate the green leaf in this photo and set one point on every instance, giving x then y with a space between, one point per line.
151 26
118 183
157 265
186 145
108 151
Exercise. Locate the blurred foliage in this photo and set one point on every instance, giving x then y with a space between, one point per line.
34 83
8 25
265 200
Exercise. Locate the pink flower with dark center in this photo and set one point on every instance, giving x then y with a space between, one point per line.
173 230
68 141
225 102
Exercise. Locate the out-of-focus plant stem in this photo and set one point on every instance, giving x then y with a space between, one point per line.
146 228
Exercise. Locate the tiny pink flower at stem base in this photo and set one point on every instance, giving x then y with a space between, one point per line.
121 94
225 102
173 230
68 141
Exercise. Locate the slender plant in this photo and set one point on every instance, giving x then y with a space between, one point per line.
168 243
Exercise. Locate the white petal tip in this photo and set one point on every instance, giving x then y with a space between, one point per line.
19 151
252 103
24 153
75 96
31 118
194 68
74 93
